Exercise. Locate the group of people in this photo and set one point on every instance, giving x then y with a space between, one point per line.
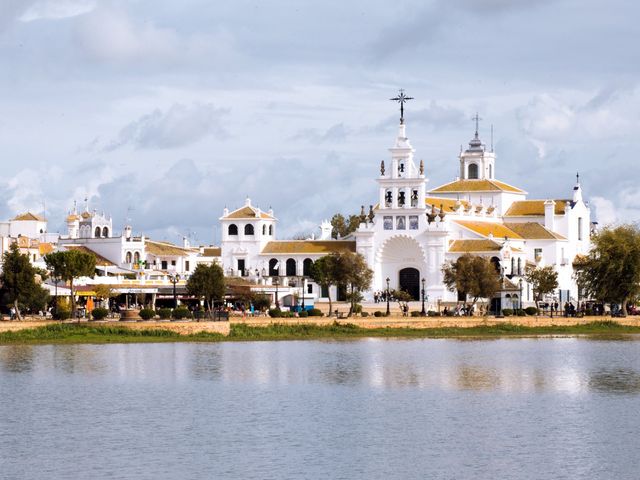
381 296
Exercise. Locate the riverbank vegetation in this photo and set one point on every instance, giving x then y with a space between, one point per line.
79 333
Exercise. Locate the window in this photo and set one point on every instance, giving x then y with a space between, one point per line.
309 288
173 263
274 267
579 228
270 230
519 266
136 257
291 267
186 265
400 169
233 229
388 198
537 253
490 171
413 222
401 198
264 229
513 266
324 291
473 171
248 229
387 223
306 267
98 231
401 223
163 265
127 257
414 198
105 232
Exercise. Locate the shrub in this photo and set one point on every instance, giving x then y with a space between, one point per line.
62 314
365 314
432 313
357 308
99 313
147 314
303 313
507 312
181 313
275 313
531 310
165 313
315 312
377 313
415 313
520 313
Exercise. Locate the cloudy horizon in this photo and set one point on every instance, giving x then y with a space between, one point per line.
163 113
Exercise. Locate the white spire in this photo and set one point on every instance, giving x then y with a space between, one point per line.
577 190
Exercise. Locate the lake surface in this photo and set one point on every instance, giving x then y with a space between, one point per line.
563 408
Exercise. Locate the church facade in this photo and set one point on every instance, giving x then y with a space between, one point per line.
411 231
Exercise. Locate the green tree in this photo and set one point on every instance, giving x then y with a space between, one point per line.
261 301
543 280
323 272
611 270
352 272
403 298
68 265
343 226
473 276
19 285
207 282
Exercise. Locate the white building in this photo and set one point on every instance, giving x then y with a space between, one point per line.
413 230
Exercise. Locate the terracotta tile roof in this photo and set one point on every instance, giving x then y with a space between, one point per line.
485 229
161 249
518 231
525 208
212 251
309 246
28 216
477 186
475 245
448 204
45 248
533 231
248 212
100 260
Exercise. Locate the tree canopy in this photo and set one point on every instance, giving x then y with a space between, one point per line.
323 272
611 270
543 280
473 276
207 282
344 226
19 286
68 265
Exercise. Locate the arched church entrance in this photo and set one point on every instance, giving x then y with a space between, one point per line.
409 281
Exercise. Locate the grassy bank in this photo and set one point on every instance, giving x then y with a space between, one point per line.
74 333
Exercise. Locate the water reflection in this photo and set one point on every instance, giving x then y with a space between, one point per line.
621 380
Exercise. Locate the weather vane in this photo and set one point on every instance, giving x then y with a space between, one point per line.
401 99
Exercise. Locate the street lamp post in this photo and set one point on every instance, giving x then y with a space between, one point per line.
388 311
276 281
423 312
520 285
302 288
174 278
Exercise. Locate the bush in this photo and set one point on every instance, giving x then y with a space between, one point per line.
303 314
181 313
62 314
432 313
147 314
275 313
315 312
165 313
507 312
520 313
377 313
99 313
357 308
415 313
531 310
365 314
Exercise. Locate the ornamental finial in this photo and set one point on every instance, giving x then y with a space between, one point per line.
382 167
421 167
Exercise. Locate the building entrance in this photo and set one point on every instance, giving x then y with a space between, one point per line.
409 281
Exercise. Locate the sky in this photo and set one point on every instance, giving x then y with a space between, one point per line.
163 113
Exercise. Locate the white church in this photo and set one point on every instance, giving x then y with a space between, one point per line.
412 231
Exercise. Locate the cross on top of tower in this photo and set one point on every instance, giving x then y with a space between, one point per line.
401 98
477 120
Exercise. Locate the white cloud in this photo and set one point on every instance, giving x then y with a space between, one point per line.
178 126
57 9
606 212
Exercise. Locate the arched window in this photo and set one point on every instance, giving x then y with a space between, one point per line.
233 229
291 267
473 171
519 266
513 265
98 230
105 232
264 229
490 171
248 229
496 264
274 267
270 230
306 267
136 257
127 258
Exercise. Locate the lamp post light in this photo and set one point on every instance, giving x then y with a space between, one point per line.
423 312
174 278
276 281
388 295
520 285
302 282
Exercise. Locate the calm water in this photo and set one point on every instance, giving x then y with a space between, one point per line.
375 409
